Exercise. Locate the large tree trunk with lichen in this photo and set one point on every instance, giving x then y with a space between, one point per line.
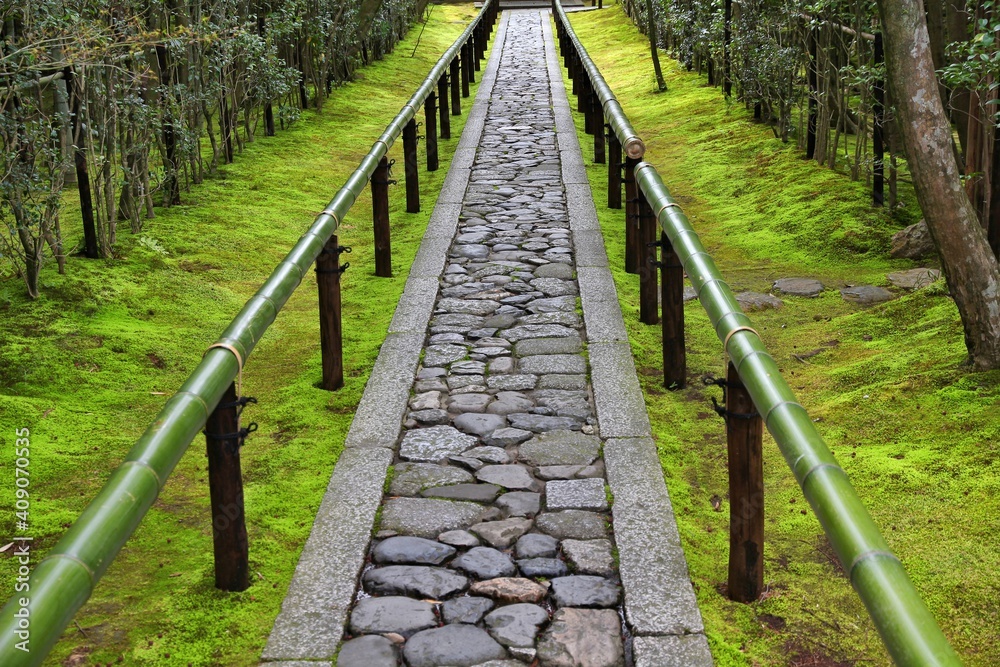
969 265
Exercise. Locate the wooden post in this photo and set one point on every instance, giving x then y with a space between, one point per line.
580 88
672 319
588 106
595 101
470 47
328 271
649 313
410 171
466 60
478 45
744 435
631 217
456 96
614 170
380 218
444 115
430 131
225 484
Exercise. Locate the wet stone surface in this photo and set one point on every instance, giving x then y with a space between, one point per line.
494 545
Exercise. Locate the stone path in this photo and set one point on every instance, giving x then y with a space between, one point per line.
493 542
497 513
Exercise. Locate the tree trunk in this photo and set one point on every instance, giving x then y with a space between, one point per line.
651 29
969 265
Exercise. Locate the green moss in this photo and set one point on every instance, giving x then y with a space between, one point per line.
913 428
88 365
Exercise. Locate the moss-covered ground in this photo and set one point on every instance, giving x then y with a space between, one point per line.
915 429
88 365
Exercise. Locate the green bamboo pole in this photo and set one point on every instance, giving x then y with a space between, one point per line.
64 580
613 112
907 627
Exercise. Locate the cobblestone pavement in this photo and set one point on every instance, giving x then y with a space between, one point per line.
494 546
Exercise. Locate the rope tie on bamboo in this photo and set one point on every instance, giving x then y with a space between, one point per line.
239 361
666 206
725 343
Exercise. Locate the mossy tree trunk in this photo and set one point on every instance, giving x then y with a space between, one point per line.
969 265
651 29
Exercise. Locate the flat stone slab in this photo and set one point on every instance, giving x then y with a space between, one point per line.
913 278
564 403
502 534
506 437
536 545
516 624
751 301
427 517
466 609
533 346
398 614
455 645
485 563
561 447
489 454
478 423
412 478
408 550
434 443
510 589
798 286
572 524
514 477
476 493
576 494
585 591
542 567
520 503
589 556
672 651
469 402
517 382
562 381
565 304
480 307
544 423
366 651
562 271
418 580
459 538
866 295
442 355
583 638
541 364
524 331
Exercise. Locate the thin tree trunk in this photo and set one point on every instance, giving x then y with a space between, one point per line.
651 29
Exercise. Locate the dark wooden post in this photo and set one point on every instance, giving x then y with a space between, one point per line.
328 272
581 88
380 218
591 125
672 319
878 122
631 217
744 435
649 313
444 115
470 47
598 111
430 131
614 170
466 61
456 96
410 171
225 484
478 45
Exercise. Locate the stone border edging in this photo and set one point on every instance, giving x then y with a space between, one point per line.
660 605
314 613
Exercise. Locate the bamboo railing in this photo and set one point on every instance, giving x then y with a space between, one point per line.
33 619
904 622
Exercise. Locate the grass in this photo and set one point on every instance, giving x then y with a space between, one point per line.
913 427
88 365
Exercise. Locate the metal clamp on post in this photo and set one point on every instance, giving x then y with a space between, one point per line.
339 250
390 181
710 380
234 441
